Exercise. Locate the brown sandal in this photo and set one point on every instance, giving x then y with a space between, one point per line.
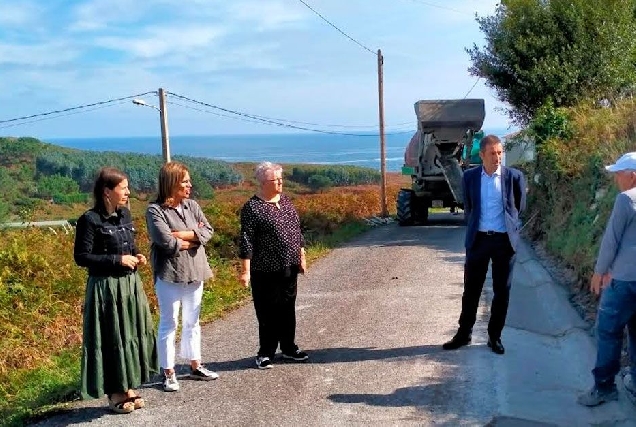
123 407
138 401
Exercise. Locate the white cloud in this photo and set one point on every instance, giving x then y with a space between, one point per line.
159 41
14 15
266 15
268 57
98 14
41 55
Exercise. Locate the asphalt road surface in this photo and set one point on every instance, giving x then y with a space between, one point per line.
372 315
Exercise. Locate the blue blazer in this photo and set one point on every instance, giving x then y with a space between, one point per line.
513 187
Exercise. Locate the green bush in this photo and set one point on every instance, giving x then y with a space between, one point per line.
338 175
550 122
319 182
71 198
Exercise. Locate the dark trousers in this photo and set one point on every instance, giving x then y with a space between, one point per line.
274 297
486 248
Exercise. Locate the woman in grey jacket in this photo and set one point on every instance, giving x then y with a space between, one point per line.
178 231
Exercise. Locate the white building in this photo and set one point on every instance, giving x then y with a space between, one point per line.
518 149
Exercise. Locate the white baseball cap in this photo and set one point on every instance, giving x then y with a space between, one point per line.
626 162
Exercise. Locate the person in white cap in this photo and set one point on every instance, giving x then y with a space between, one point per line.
615 274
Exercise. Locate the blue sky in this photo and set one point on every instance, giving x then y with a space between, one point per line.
272 58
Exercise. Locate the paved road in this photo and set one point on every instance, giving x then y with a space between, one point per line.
372 316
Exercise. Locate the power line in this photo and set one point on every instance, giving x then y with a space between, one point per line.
337 29
473 87
50 117
282 120
189 107
258 117
273 122
251 118
79 107
329 125
440 7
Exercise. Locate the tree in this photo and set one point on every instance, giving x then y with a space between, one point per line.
558 51
48 186
319 182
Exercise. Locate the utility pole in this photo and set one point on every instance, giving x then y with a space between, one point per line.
163 114
385 212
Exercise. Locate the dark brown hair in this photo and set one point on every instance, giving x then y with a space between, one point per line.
488 140
107 177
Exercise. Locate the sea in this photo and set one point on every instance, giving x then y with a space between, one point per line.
324 149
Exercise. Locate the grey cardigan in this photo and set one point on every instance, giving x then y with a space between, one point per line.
169 262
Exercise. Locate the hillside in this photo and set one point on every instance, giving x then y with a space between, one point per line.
46 181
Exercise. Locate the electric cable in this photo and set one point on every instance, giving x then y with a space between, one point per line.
79 107
338 29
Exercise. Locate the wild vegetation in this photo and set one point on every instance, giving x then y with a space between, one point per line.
41 285
562 52
566 69
36 175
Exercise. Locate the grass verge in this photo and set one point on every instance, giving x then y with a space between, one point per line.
30 394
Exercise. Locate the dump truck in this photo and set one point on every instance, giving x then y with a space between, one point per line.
445 144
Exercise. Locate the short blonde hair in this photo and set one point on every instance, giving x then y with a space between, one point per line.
262 169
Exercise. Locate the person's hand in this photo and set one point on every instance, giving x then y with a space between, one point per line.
599 282
187 244
129 261
303 263
606 280
244 278
142 259
595 284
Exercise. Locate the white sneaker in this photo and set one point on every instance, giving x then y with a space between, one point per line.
203 374
170 382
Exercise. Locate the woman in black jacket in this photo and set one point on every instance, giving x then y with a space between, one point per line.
118 348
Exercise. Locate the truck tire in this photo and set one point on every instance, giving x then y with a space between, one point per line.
404 210
421 213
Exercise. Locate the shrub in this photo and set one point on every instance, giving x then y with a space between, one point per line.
319 182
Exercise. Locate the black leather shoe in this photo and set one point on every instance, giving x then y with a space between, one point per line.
496 346
459 340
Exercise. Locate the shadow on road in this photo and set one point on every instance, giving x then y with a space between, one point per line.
432 398
335 355
430 395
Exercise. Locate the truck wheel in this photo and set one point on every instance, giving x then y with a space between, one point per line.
404 210
422 211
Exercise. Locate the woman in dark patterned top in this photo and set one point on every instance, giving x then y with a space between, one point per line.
272 254
118 348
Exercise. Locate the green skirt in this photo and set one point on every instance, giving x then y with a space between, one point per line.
118 349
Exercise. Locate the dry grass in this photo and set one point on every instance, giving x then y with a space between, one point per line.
570 215
42 290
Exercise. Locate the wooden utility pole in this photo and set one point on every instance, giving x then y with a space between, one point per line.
163 114
385 211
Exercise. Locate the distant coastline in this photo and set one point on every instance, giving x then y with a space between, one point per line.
326 149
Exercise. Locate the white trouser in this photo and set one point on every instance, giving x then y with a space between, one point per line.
171 296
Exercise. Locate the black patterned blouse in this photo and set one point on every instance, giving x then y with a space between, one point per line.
270 236
101 240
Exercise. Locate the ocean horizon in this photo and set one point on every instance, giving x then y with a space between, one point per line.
324 149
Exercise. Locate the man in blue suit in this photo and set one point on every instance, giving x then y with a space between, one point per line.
494 197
